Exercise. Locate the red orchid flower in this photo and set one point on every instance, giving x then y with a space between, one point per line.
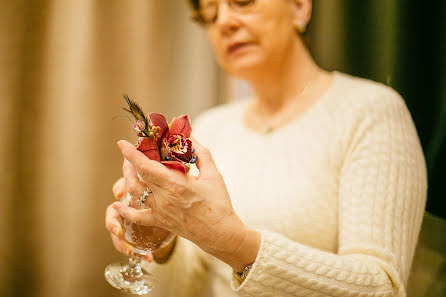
170 146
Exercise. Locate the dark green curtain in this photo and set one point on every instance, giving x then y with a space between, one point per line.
402 44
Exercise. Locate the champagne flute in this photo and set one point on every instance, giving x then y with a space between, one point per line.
131 277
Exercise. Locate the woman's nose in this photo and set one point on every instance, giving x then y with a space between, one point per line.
226 18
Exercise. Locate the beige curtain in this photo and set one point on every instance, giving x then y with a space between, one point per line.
64 65
64 68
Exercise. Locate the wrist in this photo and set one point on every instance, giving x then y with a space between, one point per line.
247 251
242 251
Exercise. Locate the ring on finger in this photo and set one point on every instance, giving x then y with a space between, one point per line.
144 196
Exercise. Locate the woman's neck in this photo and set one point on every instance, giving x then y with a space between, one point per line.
285 91
285 80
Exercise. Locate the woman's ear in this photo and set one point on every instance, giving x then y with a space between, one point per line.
301 14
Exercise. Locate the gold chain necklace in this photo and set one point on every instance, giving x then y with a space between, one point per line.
270 127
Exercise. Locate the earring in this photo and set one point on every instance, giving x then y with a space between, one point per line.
301 27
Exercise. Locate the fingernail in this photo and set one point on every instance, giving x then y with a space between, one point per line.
120 143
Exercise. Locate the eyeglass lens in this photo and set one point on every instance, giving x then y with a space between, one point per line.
209 11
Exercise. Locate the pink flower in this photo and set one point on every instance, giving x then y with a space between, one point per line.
170 146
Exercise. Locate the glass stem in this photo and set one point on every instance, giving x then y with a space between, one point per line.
134 261
133 271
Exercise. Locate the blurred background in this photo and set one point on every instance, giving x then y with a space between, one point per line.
64 66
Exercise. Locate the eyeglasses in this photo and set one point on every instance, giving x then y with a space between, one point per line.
208 14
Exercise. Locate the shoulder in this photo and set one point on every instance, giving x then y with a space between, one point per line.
366 97
368 112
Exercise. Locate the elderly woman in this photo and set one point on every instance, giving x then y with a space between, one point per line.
316 186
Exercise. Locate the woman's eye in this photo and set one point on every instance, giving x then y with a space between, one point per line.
243 2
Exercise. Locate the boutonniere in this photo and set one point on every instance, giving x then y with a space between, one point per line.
161 141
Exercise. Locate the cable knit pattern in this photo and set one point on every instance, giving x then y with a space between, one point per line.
338 194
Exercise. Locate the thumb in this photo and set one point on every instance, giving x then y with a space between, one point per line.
204 163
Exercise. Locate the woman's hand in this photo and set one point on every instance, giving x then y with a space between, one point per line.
113 222
130 184
196 208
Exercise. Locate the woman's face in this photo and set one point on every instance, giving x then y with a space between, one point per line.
249 42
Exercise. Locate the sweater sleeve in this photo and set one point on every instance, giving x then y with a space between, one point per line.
381 199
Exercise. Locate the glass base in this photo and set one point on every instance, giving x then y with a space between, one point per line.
120 277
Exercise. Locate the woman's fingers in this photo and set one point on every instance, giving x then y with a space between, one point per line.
119 188
121 245
113 224
124 248
137 216
152 172
129 171
204 162
134 186
113 220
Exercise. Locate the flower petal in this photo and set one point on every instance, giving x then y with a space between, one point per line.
177 146
149 147
175 165
180 125
159 120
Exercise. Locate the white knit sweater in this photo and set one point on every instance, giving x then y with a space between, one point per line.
338 196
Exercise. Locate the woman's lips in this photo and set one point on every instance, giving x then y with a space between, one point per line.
237 47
